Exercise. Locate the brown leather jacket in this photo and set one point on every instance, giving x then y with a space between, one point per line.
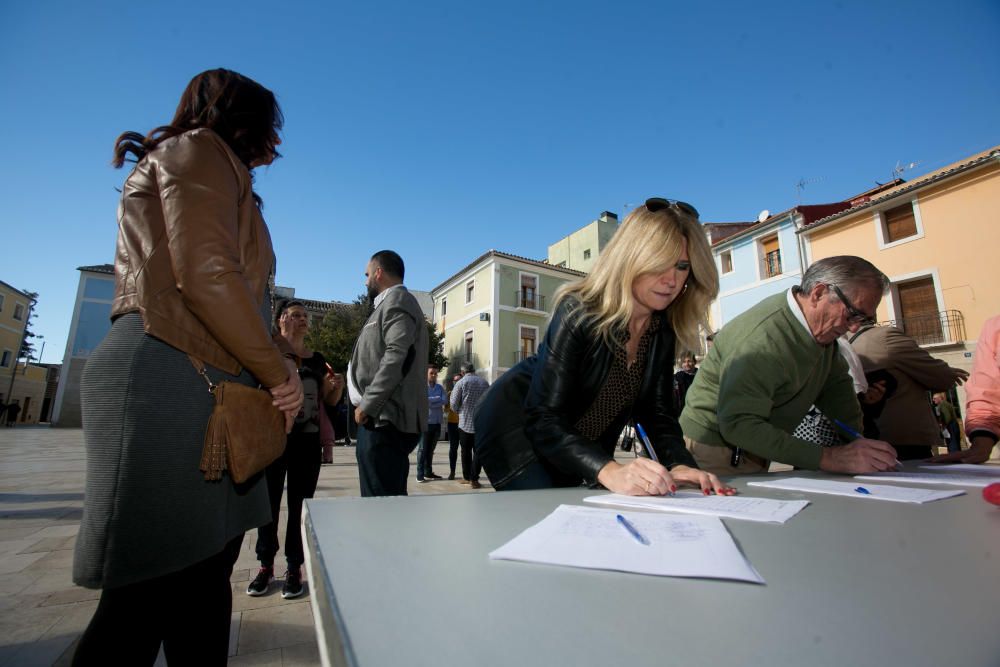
194 256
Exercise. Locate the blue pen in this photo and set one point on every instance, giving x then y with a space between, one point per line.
649 447
857 436
863 490
645 442
847 429
632 530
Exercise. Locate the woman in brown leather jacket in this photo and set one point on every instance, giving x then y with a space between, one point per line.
607 359
193 274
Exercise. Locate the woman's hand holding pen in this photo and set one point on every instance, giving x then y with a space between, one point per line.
644 477
288 395
641 477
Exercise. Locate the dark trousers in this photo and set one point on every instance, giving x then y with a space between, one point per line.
384 460
955 441
187 611
425 452
301 462
452 446
470 462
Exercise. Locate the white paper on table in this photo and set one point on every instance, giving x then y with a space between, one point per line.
748 508
898 494
974 468
930 478
591 537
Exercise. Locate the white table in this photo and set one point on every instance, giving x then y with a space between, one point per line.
407 581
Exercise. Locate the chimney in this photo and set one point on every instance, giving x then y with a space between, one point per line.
608 216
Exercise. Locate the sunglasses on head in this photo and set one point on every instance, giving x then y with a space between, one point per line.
654 204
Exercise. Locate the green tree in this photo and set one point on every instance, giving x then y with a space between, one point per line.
334 336
435 347
27 347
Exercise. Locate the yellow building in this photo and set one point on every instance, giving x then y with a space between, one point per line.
15 308
579 250
938 239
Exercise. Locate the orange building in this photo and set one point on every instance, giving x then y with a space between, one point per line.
938 239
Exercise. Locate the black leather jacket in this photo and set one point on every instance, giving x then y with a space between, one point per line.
530 411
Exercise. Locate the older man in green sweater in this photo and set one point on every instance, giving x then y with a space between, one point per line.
771 363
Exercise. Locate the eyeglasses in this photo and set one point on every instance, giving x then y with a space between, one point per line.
854 316
654 204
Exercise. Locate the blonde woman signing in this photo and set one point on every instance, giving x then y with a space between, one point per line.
607 358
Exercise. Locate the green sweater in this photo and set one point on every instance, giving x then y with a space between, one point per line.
759 380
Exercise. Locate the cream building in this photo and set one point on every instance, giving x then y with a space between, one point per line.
579 250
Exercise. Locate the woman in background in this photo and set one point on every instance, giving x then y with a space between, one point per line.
193 271
607 359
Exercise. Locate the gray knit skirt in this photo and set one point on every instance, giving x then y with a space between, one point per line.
148 510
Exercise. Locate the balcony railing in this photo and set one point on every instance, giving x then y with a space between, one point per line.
770 264
947 326
521 355
529 299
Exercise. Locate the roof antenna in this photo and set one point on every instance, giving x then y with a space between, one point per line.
801 185
897 171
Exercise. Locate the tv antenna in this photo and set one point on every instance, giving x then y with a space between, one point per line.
897 171
801 185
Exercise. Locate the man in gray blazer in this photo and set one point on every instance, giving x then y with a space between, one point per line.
386 379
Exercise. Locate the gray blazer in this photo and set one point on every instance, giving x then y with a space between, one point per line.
389 363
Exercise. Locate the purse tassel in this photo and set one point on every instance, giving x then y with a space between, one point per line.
213 454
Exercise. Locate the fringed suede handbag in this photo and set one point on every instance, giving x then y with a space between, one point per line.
245 433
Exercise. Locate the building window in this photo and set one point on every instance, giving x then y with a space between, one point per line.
726 259
528 338
586 253
6 359
528 294
770 253
1 302
444 307
919 316
470 291
899 223
468 346
18 311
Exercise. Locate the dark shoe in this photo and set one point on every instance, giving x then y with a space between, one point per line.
475 484
451 476
261 582
431 475
293 584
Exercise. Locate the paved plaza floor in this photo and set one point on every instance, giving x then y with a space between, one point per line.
42 613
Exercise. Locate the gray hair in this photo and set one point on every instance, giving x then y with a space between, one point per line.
468 368
847 272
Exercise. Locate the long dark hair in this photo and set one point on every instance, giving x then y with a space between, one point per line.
242 112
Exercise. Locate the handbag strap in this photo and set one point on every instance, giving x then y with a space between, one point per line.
199 366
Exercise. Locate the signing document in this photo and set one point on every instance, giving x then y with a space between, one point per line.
896 494
641 542
767 510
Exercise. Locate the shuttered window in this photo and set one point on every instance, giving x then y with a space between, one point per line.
900 223
918 308
771 252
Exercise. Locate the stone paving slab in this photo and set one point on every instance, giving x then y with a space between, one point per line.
42 614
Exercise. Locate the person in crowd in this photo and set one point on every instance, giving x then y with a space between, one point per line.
683 379
554 419
192 273
301 459
453 436
386 379
465 401
772 362
947 418
907 420
13 410
435 403
982 399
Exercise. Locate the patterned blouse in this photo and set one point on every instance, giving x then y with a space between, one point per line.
622 385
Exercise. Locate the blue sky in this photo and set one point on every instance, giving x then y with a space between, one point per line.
444 129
